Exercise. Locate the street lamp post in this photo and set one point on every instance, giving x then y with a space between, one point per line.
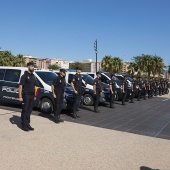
95 49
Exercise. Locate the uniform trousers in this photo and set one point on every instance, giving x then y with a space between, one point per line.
77 99
27 106
96 98
58 103
112 99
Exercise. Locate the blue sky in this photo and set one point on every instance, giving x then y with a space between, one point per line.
68 28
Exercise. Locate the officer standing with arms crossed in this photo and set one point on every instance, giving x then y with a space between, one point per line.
112 90
97 87
57 88
76 85
124 89
133 88
27 96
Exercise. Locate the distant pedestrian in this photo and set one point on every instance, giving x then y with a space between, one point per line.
58 88
27 96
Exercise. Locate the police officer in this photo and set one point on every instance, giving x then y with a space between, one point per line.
164 82
156 86
58 87
97 87
153 86
151 83
124 89
27 96
140 84
133 89
146 86
76 84
144 89
160 87
112 84
167 86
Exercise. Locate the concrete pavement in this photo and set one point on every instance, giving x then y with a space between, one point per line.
71 146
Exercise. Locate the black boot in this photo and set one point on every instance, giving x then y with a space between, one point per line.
96 110
24 128
30 128
60 120
77 115
112 107
56 120
74 115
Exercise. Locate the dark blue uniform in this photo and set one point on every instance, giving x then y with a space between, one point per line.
98 84
140 84
59 84
28 82
112 95
134 84
125 83
156 87
151 91
77 81
146 87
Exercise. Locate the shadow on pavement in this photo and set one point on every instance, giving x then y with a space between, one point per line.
48 116
86 108
16 120
146 168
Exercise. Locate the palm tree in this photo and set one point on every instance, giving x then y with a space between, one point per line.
8 59
169 69
132 68
107 63
116 64
158 65
147 62
112 64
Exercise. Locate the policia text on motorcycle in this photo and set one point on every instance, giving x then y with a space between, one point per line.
58 87
27 96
